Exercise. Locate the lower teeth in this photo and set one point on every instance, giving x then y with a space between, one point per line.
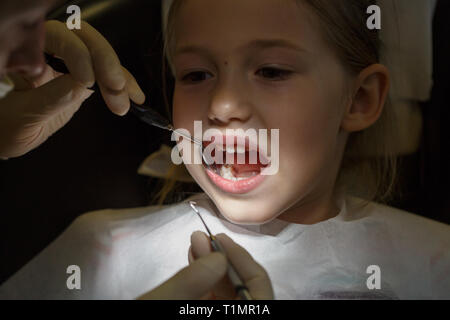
226 172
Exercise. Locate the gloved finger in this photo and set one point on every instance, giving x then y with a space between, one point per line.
192 282
200 244
117 101
54 96
252 274
65 44
134 91
209 295
190 255
107 67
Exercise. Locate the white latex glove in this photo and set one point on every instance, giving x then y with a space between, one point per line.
41 106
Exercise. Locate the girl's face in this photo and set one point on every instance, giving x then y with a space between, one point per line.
263 64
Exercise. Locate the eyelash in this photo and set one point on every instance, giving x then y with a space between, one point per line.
282 74
185 78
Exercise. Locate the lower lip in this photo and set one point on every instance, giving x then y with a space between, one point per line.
236 187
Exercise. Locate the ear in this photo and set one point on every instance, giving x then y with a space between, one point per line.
371 89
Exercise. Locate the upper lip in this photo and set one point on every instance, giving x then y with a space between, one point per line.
236 143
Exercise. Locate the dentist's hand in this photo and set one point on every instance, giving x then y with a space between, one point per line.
42 105
206 276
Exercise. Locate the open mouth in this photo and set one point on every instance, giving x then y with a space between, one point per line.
238 167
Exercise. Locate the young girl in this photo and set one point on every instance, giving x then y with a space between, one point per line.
309 68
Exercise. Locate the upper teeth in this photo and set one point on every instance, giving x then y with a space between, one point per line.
230 149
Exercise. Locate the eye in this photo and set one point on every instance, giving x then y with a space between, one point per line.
274 73
195 77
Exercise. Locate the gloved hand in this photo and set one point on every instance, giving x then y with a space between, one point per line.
206 277
42 105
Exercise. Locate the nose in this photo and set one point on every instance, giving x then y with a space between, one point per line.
229 103
28 57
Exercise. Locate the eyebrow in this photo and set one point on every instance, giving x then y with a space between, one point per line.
258 44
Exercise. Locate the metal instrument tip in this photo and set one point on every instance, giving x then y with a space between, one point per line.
192 204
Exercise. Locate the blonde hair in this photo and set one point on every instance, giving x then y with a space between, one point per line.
171 190
369 164
368 167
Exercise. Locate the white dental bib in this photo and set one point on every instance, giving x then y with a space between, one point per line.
125 253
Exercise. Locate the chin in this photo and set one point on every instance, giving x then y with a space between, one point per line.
244 213
252 208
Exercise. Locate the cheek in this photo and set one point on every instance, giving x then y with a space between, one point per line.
185 110
310 125
312 129
180 114
309 122
305 154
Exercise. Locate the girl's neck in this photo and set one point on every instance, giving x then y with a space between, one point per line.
313 210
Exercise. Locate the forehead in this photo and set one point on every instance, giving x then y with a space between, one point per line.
232 23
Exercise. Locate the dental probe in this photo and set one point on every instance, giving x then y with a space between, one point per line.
238 285
144 113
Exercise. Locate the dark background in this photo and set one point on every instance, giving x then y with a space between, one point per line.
91 163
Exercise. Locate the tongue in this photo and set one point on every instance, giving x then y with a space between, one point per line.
245 170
